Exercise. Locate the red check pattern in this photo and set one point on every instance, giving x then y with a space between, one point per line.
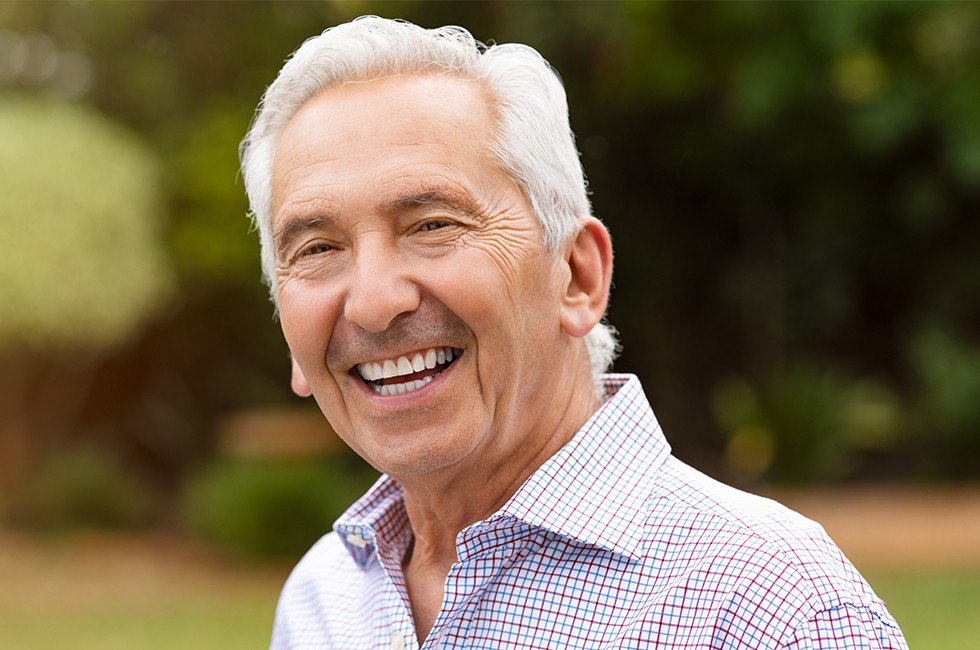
612 544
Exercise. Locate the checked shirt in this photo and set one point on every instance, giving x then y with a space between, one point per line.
612 544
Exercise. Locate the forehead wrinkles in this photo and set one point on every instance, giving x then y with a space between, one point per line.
473 125
442 178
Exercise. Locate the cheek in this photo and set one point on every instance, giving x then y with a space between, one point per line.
507 307
476 295
476 275
307 319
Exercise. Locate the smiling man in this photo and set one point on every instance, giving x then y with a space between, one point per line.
441 284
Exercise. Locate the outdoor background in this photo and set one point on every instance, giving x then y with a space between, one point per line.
793 191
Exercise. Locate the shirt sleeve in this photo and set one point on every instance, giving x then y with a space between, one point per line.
847 627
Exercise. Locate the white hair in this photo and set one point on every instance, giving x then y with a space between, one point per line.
533 140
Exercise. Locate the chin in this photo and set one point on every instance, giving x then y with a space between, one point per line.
404 464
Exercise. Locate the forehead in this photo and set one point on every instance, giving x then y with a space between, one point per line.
394 129
395 98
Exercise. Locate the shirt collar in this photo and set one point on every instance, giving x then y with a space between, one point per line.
377 519
595 489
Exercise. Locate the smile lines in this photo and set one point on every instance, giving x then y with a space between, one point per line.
411 373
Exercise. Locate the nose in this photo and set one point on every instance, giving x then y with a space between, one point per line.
380 289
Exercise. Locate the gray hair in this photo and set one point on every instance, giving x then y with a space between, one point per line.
533 143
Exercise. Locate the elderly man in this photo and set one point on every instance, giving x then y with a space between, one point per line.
441 285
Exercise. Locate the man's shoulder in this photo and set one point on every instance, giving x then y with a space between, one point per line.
716 527
686 489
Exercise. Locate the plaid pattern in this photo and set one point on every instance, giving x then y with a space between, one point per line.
612 543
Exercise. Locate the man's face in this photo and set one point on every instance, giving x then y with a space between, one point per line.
418 301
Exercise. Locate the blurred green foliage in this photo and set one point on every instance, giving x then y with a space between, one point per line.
792 190
82 263
947 411
81 487
270 508
806 424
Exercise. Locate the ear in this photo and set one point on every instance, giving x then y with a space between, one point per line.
298 381
589 259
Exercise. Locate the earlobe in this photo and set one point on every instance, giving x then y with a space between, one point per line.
589 258
298 381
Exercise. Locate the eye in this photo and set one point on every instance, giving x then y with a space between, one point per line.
318 248
434 224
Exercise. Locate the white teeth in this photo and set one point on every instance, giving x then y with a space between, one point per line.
370 371
400 389
390 369
404 366
373 371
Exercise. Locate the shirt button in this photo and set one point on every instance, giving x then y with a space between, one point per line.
397 641
356 540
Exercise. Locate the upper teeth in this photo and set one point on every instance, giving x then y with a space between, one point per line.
404 365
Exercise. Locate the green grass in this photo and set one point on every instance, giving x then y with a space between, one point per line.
102 591
239 620
936 609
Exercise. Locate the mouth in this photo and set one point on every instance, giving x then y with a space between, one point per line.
408 373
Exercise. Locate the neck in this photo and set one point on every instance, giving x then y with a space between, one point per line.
439 511
440 505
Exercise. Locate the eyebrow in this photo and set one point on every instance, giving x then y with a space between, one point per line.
291 229
453 201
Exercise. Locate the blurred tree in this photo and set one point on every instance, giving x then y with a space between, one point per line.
81 262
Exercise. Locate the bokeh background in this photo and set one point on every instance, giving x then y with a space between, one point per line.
793 191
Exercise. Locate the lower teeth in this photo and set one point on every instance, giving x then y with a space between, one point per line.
399 389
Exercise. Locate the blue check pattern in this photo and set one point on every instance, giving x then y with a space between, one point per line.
612 544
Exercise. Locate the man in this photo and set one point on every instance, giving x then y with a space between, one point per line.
441 284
